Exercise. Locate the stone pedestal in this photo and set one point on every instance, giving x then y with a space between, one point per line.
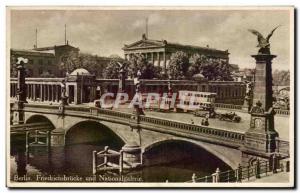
260 139
263 80
18 112
132 155
58 137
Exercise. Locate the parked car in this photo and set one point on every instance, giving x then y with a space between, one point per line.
205 112
229 116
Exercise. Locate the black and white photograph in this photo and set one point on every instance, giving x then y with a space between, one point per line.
150 96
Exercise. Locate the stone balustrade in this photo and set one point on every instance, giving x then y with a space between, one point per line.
234 137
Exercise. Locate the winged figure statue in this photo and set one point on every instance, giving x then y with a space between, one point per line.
263 43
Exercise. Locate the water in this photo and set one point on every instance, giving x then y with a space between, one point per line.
76 161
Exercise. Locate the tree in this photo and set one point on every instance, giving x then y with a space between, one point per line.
281 77
210 68
138 62
179 65
112 69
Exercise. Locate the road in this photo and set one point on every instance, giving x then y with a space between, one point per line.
281 122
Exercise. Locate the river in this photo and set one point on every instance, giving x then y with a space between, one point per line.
76 160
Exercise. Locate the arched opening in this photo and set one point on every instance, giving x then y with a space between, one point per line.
21 156
39 119
177 160
81 140
18 140
91 132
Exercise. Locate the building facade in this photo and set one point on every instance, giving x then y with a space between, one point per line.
158 52
44 61
83 87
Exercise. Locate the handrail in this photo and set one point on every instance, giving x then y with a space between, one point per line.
232 136
260 167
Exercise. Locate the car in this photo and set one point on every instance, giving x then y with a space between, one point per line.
205 112
229 116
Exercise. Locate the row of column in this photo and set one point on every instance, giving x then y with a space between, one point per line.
13 90
47 92
160 57
41 92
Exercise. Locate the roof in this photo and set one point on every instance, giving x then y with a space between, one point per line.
54 47
164 43
80 71
32 52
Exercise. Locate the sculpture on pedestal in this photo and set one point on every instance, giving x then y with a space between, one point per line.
121 77
64 98
263 43
260 139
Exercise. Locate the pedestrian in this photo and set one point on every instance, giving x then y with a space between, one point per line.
202 122
206 123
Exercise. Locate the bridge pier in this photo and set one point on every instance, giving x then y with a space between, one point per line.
58 137
260 139
132 154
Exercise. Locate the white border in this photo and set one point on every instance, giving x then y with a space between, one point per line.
135 3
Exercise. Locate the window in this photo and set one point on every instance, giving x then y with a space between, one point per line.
49 62
40 71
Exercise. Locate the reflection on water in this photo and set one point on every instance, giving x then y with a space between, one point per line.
76 160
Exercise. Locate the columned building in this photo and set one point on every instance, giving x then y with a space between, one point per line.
159 52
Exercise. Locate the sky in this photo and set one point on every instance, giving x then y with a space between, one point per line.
104 32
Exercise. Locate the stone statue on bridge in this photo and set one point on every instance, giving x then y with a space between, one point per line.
263 43
121 77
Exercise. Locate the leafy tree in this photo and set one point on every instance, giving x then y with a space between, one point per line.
179 65
210 68
138 62
281 77
112 69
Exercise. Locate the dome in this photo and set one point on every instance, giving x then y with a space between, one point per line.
199 77
80 71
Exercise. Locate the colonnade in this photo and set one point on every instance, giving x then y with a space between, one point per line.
50 92
157 58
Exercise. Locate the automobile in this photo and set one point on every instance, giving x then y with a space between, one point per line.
205 112
229 116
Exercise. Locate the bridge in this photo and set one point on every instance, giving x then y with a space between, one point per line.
141 136
72 125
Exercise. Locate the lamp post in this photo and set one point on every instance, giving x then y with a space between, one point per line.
18 115
64 98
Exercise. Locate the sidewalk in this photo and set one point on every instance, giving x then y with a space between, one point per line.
281 177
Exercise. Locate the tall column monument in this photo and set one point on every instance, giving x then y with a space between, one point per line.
260 139
18 115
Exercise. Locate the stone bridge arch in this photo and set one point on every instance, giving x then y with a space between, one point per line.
231 157
36 118
92 131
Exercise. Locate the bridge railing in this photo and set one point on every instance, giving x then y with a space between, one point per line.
41 106
240 108
213 132
242 173
282 112
97 111
222 136
228 106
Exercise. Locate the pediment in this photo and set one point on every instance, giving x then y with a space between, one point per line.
144 44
